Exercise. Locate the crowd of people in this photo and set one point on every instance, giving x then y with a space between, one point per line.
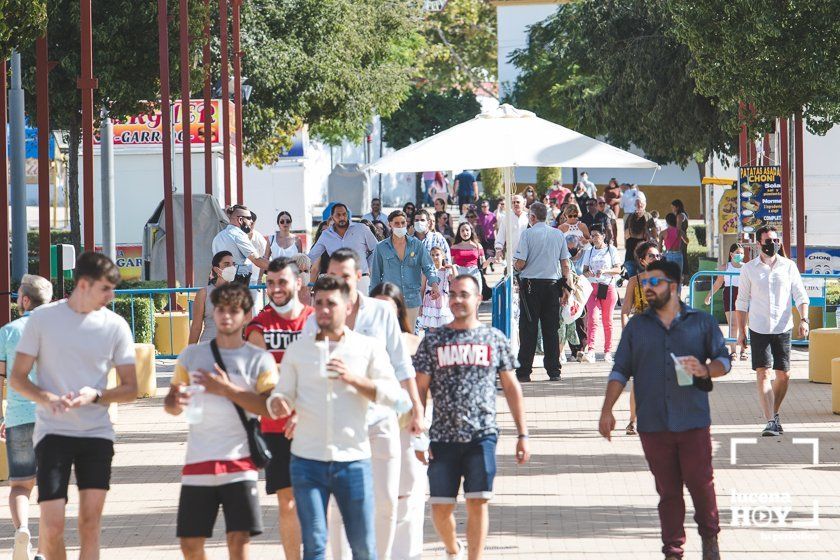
367 382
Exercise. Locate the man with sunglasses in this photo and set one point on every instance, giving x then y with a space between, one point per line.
234 238
672 352
594 216
765 288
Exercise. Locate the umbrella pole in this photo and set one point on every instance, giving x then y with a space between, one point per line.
507 175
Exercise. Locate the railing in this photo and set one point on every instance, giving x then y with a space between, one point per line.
501 305
707 277
173 304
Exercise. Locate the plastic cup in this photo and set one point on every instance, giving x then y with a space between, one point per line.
684 378
194 414
420 443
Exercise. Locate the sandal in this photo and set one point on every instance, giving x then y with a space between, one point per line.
631 429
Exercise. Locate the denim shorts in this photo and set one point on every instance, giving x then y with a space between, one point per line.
475 462
20 451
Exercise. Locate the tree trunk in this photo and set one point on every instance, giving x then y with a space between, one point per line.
701 168
418 190
73 183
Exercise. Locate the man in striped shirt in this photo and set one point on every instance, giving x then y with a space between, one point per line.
219 470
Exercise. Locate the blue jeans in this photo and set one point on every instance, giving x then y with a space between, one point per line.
351 484
674 257
474 462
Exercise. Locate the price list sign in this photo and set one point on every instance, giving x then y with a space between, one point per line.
760 195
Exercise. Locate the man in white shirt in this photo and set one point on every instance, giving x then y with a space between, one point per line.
395 481
331 452
520 224
234 238
629 194
766 286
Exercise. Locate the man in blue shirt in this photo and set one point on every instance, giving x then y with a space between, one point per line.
541 258
673 416
19 422
466 188
343 233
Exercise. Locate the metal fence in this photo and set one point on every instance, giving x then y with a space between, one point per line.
702 281
160 300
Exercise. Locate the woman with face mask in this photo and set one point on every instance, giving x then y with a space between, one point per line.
730 294
222 272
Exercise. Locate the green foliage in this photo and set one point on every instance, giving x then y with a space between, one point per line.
611 69
125 46
460 47
15 312
161 301
697 234
426 113
21 23
492 183
832 293
330 64
546 177
782 57
143 321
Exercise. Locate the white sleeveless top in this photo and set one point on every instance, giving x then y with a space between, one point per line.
277 251
574 230
731 280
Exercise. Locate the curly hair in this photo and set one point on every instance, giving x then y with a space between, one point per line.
233 295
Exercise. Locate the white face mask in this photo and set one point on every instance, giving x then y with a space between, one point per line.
229 273
400 231
283 308
421 227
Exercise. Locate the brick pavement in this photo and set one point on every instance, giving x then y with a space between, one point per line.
579 498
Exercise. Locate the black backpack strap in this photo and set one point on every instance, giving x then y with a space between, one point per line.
217 356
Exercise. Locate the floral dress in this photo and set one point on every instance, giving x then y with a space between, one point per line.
435 312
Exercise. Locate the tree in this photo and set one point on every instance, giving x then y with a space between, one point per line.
781 59
21 23
611 69
460 47
330 64
492 183
546 177
125 61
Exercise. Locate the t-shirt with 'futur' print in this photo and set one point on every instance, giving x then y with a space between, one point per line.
463 364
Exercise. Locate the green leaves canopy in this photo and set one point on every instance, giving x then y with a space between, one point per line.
425 113
21 21
611 69
331 64
782 57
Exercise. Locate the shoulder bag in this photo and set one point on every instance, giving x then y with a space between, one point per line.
260 453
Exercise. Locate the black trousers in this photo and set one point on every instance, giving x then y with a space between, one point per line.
539 306
580 327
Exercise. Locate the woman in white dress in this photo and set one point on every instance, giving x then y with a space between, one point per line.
282 243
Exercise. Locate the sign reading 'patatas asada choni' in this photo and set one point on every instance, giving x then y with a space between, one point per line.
760 193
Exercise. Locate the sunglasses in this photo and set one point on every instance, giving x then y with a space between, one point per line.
284 221
654 282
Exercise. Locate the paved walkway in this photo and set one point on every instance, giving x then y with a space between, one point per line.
579 498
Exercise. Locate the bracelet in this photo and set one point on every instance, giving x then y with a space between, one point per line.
522 436
807 322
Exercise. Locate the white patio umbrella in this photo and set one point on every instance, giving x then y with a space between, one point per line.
507 138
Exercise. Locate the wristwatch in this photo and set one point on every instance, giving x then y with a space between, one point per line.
807 322
522 436
98 397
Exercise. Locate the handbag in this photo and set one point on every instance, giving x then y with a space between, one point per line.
575 307
257 447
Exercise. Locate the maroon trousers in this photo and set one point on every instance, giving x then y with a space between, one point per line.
677 458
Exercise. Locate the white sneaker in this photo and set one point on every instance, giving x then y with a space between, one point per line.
458 555
589 357
563 359
608 357
23 547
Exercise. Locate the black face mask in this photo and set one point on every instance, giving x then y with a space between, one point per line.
574 251
769 248
245 228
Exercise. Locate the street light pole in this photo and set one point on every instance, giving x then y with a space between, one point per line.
106 160
42 72
87 83
5 300
17 132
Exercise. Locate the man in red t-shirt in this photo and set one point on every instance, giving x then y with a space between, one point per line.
274 329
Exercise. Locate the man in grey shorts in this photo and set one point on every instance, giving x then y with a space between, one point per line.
19 422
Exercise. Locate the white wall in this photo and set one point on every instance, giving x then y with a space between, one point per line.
822 181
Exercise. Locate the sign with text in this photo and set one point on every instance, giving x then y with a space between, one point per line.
147 129
760 195
728 212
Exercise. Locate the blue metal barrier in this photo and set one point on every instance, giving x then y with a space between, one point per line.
170 307
712 275
502 303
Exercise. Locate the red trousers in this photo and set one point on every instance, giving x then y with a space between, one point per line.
677 458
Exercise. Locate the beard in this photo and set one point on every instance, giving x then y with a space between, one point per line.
342 223
658 302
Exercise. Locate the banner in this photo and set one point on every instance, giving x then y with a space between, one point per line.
147 129
761 197
129 261
728 213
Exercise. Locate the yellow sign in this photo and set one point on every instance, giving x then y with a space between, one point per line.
728 212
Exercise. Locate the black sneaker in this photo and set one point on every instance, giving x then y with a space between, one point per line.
778 423
770 429
554 377
523 378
